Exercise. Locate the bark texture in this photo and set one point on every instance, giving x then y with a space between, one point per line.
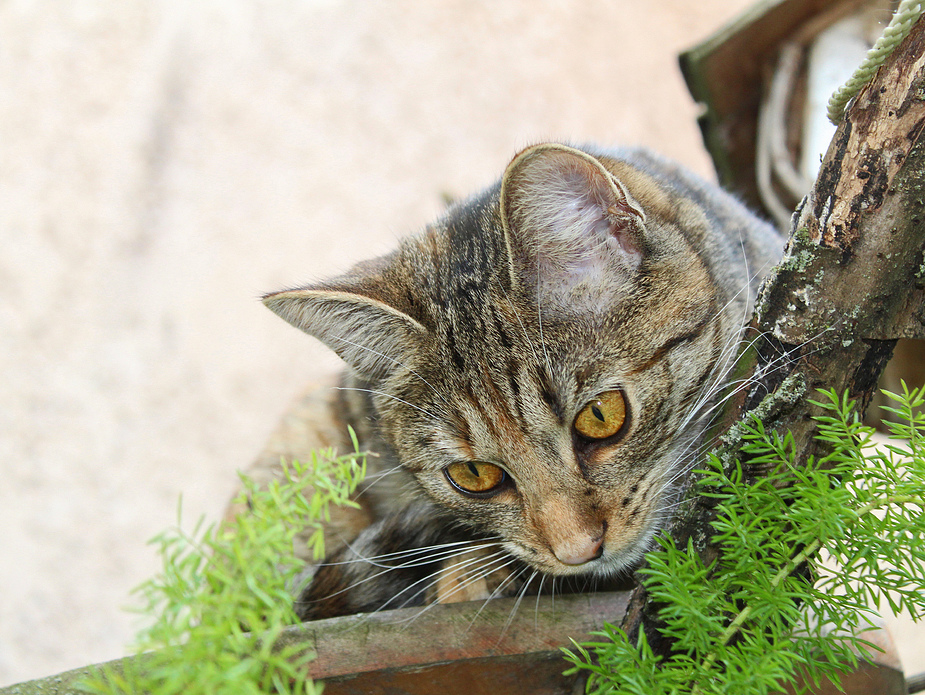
851 282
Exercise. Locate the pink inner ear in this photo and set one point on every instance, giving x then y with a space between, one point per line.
618 216
624 231
576 224
572 209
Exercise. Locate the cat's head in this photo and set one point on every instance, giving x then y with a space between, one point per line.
539 357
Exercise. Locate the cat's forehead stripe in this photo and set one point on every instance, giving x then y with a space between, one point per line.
709 315
509 421
515 399
487 404
506 343
549 395
492 406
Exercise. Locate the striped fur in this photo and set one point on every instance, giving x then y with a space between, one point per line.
481 339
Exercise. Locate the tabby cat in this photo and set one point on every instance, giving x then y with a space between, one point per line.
534 371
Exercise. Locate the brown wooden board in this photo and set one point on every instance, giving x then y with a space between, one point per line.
725 74
481 639
537 674
471 648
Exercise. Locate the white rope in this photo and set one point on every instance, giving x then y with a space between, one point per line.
906 15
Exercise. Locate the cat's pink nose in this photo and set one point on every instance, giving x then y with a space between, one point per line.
580 551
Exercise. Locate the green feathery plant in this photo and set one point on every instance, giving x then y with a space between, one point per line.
808 554
225 593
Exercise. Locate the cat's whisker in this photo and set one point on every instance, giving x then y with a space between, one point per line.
497 592
719 383
428 551
730 349
491 562
437 557
733 345
586 582
539 319
694 449
668 506
536 608
765 370
477 574
378 478
494 563
516 606
523 328
390 568
394 361
381 474
388 395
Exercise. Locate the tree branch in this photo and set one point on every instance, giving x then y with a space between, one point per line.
851 282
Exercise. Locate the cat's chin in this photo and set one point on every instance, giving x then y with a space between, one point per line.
619 564
611 565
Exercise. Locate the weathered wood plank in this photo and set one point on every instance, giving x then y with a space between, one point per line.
415 637
421 648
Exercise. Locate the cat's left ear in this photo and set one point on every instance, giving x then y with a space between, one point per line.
571 223
359 316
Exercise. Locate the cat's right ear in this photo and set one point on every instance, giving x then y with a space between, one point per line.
572 228
369 334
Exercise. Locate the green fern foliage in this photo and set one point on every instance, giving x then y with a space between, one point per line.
225 592
808 556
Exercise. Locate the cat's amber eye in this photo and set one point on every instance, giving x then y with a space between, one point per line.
603 417
476 476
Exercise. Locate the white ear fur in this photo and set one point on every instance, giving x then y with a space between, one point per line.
369 335
572 222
